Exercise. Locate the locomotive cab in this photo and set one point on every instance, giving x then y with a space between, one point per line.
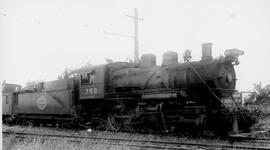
92 82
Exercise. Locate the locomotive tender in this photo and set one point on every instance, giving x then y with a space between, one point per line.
135 97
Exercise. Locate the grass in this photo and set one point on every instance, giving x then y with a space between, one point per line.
263 124
10 142
41 144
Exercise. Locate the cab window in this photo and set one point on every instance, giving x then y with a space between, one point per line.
88 78
84 79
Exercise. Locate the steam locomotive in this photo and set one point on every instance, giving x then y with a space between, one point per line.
135 96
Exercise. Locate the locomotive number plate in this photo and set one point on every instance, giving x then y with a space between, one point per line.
91 92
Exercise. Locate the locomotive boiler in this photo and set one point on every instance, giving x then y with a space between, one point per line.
217 74
139 96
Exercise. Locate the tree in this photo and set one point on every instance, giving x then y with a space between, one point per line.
260 92
65 74
263 93
87 65
31 85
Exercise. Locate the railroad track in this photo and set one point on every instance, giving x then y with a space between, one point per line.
149 144
250 139
241 138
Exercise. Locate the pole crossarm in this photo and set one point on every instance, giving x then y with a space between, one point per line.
133 17
118 34
135 37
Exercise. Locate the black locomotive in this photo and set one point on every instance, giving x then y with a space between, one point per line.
135 96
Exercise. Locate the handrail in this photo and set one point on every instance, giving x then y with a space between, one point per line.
146 83
238 107
211 91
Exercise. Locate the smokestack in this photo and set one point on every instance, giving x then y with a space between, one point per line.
207 51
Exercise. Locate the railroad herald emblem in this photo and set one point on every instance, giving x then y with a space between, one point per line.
42 103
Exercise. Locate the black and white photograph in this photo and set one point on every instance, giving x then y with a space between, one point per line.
135 74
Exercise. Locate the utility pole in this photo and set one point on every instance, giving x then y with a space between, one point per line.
136 34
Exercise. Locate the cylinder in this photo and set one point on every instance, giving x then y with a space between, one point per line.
207 51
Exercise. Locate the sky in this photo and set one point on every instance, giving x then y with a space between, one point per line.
39 39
